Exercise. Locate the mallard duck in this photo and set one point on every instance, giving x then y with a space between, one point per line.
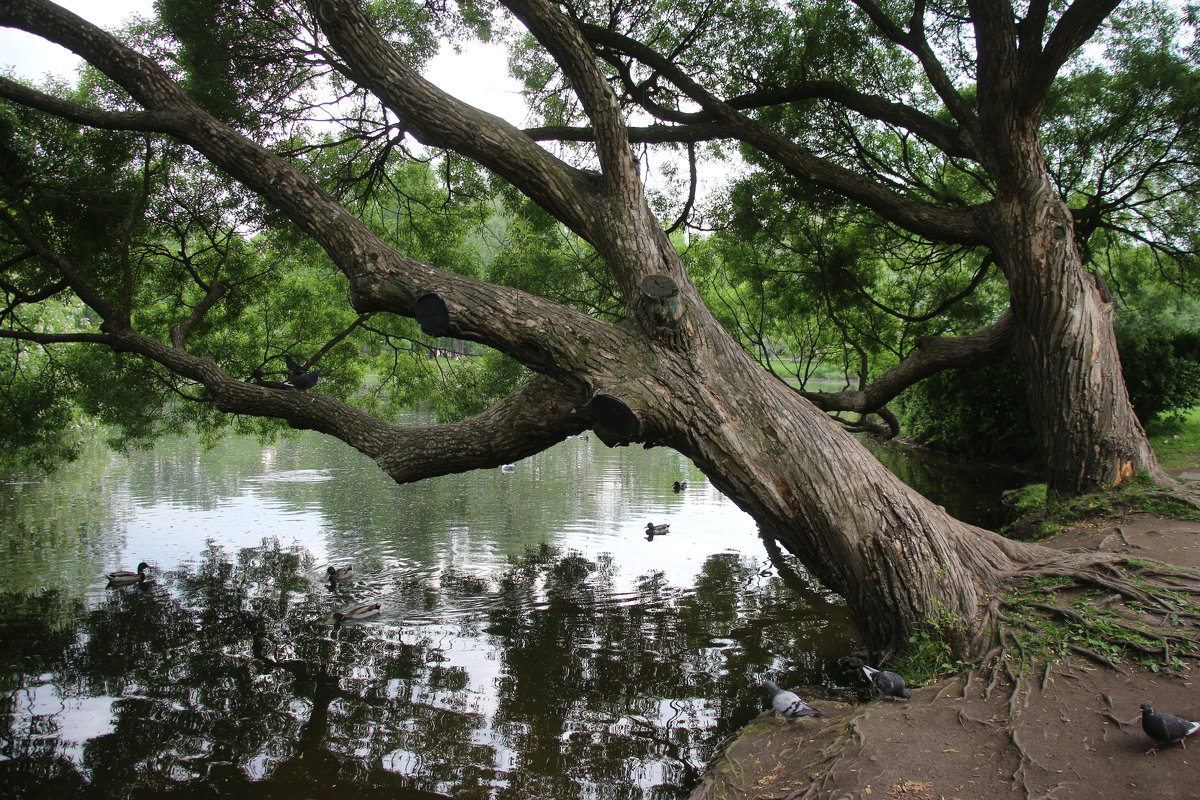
679 486
508 468
339 573
657 530
362 611
123 576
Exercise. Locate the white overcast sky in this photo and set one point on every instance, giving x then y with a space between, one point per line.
479 76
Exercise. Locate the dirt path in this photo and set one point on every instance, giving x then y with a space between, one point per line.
1070 733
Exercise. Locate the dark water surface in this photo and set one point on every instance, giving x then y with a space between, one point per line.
532 643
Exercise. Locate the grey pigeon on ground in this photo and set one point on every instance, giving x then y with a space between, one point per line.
1165 729
888 684
788 704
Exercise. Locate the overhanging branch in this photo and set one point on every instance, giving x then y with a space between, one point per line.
537 415
951 225
933 354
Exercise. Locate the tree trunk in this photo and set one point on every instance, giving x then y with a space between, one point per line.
1087 432
902 563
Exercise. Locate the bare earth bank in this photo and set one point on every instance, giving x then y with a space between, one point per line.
1072 732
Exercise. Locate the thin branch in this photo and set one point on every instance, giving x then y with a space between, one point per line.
82 288
916 43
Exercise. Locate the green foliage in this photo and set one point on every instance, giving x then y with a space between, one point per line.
1157 333
160 236
929 655
1176 440
224 68
534 252
980 411
472 385
1027 499
808 281
1137 495
38 421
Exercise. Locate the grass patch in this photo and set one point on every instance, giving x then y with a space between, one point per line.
1026 499
1042 515
929 656
1176 440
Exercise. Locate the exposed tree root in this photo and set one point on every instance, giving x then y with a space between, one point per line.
1105 607
831 755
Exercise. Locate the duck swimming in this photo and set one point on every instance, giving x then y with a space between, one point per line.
123 577
362 611
339 573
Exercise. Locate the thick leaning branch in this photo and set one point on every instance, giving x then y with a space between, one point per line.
933 355
562 39
627 230
610 213
535 416
1075 27
440 120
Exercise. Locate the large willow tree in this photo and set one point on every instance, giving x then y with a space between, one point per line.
663 373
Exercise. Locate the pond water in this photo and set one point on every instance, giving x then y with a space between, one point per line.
532 643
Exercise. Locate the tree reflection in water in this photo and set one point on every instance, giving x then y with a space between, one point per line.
229 679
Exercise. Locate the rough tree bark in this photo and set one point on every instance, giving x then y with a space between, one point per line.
1088 433
676 377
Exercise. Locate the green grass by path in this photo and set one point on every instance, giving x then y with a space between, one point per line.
1177 443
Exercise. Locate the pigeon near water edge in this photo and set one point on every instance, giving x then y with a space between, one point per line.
788 704
888 684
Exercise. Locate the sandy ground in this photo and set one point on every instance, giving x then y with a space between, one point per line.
1071 732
